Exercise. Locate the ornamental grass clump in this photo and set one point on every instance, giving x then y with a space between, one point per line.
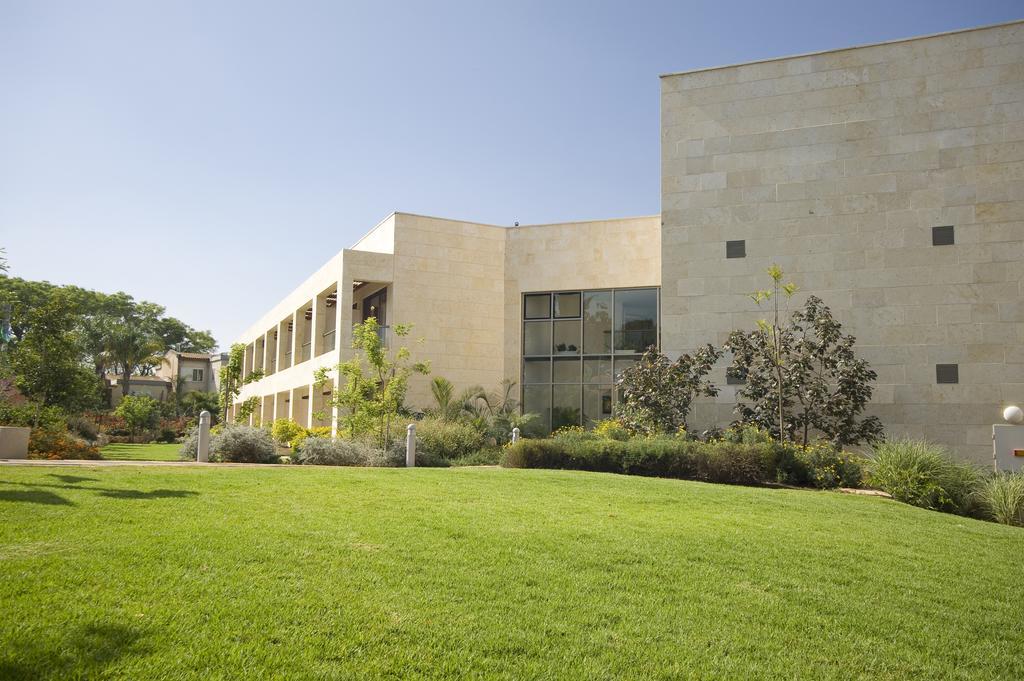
1002 498
923 474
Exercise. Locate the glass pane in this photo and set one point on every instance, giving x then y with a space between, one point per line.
537 400
537 370
597 403
567 305
537 306
566 370
537 338
567 338
597 370
621 365
597 322
636 314
565 406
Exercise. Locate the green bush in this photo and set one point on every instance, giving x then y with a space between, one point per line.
327 451
243 444
29 415
923 474
489 456
829 467
1002 498
83 427
286 431
446 440
663 456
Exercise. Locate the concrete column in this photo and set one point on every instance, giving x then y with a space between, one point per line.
311 406
203 450
296 343
410 445
292 409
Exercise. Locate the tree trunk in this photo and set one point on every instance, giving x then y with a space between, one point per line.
126 377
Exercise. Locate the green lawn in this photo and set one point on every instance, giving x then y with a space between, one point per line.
150 452
320 573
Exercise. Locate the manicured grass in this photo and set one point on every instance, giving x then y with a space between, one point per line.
295 572
147 452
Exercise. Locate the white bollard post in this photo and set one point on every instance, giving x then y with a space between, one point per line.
410 445
203 450
515 435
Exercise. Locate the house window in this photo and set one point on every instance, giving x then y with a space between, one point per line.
197 375
736 249
575 343
943 236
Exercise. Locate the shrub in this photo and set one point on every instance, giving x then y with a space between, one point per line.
326 451
1002 498
489 456
923 474
321 451
284 431
829 467
243 444
664 456
190 446
29 415
83 427
55 442
611 429
446 440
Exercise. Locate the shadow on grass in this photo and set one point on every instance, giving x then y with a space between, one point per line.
34 496
83 652
71 479
34 493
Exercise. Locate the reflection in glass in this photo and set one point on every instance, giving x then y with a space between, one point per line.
597 370
537 306
566 339
636 314
597 403
621 364
537 400
537 338
597 322
537 370
565 406
566 370
567 305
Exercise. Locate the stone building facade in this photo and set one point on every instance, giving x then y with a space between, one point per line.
887 179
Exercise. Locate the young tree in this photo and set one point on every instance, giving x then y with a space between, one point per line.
139 413
371 398
231 380
802 374
657 393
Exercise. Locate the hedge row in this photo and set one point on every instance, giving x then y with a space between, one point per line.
673 457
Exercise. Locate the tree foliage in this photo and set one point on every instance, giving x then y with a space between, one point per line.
803 377
374 382
139 413
231 380
657 392
99 332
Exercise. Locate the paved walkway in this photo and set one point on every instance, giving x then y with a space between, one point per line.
106 462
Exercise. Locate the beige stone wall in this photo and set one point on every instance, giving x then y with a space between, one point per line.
577 255
836 166
448 284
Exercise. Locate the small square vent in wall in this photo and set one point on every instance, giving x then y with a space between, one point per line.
947 373
736 249
943 236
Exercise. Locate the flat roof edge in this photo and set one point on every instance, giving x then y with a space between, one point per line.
841 49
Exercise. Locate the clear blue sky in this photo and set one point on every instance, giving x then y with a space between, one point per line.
210 155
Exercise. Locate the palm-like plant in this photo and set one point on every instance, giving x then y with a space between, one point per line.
130 345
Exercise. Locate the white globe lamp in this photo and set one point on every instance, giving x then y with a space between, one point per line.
1013 414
